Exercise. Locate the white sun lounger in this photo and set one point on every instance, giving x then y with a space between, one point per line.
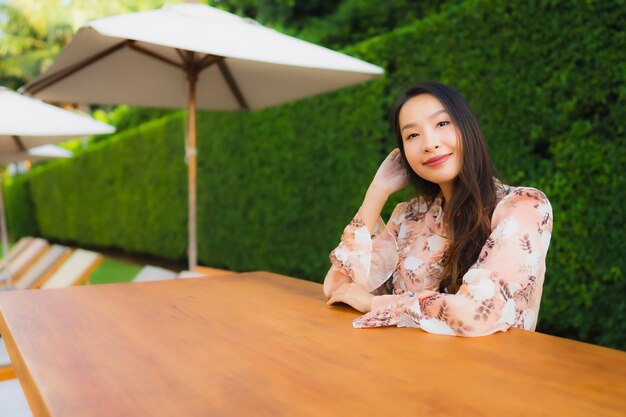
43 268
19 246
75 270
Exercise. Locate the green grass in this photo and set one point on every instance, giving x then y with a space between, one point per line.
112 270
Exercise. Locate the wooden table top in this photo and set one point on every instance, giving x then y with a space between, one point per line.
260 344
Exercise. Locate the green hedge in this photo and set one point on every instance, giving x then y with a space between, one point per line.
19 207
276 187
129 192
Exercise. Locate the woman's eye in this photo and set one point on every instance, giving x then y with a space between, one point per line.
412 135
443 123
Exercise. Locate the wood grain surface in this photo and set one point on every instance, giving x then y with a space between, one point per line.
260 344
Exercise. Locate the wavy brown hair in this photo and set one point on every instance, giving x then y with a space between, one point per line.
467 215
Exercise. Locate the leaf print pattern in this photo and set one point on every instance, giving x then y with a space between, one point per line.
501 290
525 244
484 310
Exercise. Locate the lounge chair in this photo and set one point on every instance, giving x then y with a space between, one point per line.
43 268
5 280
17 248
25 258
153 273
75 270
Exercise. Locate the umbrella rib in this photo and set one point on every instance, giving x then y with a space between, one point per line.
154 55
58 76
208 61
19 143
181 55
234 88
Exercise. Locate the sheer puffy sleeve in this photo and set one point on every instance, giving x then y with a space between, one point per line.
369 260
501 290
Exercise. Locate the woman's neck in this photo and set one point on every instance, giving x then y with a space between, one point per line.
446 191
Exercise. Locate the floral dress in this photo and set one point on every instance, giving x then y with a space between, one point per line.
502 289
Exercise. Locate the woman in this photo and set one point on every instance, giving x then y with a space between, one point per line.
467 255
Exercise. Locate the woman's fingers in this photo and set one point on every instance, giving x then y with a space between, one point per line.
355 295
338 298
394 154
337 295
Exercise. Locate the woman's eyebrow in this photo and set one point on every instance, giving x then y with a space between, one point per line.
432 116
437 113
406 126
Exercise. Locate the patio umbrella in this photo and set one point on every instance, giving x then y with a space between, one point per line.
27 124
39 153
193 56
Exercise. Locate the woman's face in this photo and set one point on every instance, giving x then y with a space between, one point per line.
430 139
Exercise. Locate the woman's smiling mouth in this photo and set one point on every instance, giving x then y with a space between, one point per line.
437 161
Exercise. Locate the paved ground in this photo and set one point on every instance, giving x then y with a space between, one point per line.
12 400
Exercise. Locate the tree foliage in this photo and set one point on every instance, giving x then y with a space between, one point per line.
33 32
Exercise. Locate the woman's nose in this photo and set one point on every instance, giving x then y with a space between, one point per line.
431 142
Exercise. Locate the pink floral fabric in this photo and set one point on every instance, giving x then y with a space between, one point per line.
402 262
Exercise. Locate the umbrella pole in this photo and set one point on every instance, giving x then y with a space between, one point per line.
5 240
191 168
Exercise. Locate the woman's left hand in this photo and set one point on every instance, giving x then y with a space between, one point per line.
354 295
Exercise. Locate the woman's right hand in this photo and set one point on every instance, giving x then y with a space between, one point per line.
391 175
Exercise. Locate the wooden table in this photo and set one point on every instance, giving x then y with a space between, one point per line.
259 344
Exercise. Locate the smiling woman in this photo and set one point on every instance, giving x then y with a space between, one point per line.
466 256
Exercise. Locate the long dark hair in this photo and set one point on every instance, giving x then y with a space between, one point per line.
468 213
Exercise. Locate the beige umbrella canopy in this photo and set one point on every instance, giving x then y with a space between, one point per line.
193 56
39 153
26 123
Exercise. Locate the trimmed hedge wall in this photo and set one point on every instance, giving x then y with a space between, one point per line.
276 187
128 192
19 207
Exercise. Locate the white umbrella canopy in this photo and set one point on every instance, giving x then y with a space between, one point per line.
27 123
194 56
39 153
137 59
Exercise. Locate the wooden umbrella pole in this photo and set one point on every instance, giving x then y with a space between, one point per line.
192 77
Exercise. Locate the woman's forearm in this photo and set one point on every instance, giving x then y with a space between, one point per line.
373 204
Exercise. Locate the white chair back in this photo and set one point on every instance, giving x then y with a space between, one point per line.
15 250
26 255
73 269
41 266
